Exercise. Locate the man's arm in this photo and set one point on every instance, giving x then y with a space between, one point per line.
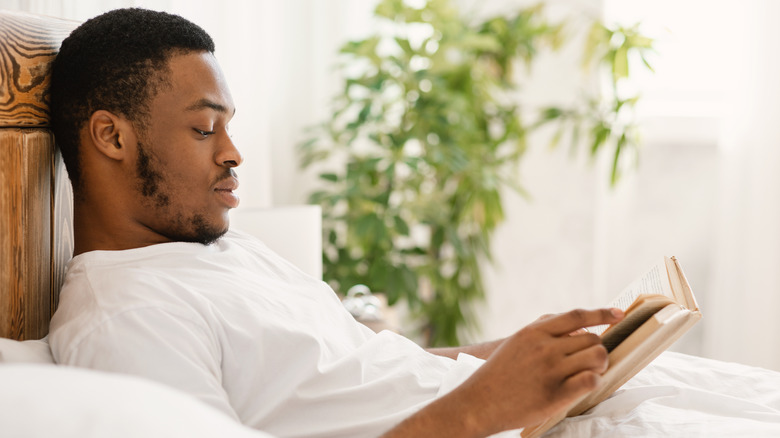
532 375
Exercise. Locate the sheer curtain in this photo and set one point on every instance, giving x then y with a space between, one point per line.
707 188
742 323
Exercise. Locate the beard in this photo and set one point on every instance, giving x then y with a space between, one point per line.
179 226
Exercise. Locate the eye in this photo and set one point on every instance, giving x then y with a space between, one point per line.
203 133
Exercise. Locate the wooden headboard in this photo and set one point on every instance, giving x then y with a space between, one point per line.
35 199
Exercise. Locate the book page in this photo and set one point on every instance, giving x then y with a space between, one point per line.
654 282
640 311
680 284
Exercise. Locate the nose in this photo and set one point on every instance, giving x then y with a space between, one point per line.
228 154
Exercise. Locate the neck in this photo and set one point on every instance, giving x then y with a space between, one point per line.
96 228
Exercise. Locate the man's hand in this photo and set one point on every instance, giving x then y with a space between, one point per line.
485 349
532 375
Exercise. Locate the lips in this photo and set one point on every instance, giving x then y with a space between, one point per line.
227 184
224 190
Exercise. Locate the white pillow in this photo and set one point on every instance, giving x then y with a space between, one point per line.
58 401
25 351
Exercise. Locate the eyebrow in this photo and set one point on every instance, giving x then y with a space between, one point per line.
205 103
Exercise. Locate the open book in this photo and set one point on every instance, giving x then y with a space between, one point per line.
659 308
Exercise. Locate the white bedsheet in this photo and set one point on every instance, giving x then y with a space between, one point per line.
685 396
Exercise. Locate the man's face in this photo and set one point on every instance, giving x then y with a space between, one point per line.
185 180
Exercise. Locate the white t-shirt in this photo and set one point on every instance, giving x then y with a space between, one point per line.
245 331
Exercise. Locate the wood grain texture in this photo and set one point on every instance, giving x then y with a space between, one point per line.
26 158
34 223
28 44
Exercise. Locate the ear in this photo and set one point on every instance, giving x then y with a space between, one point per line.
109 134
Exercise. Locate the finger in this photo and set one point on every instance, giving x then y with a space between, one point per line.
546 316
593 358
580 384
573 344
577 332
568 322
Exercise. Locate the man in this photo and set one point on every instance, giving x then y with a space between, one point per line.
158 287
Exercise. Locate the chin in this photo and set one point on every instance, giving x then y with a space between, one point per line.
208 239
209 235
200 231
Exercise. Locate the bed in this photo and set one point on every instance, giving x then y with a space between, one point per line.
677 395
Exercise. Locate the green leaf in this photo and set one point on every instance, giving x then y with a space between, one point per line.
401 226
409 279
412 251
620 66
600 135
556 138
551 113
332 177
616 160
575 137
640 41
437 239
318 197
364 48
404 45
646 63
597 37
480 43
382 198
389 9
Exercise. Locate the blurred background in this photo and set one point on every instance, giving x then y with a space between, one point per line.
706 188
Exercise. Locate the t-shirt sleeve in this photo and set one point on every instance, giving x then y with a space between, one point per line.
156 344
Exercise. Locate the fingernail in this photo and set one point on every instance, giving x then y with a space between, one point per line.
617 313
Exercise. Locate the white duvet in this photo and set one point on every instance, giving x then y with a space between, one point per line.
685 396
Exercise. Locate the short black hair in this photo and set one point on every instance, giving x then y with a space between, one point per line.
115 62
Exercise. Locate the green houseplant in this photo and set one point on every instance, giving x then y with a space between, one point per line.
423 139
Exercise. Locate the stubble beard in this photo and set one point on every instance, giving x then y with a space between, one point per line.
180 226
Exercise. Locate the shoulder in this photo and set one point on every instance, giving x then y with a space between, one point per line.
111 291
107 283
139 331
